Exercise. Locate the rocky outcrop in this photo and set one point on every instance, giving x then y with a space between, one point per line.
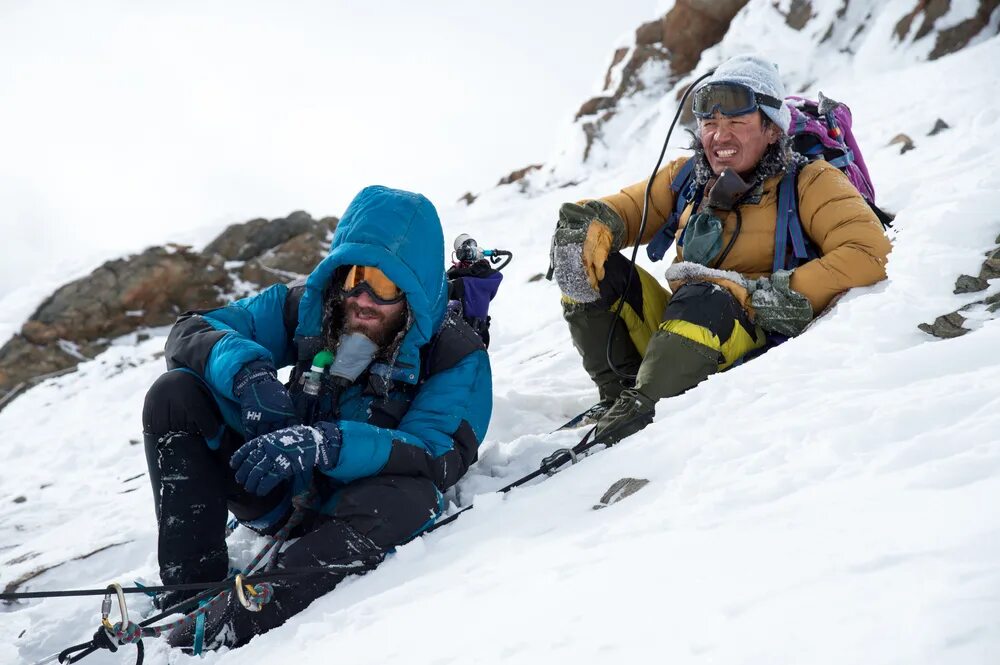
152 288
674 43
518 175
948 40
952 325
274 251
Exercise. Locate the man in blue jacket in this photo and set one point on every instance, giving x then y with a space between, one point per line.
389 398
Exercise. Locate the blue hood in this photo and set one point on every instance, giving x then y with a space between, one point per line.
399 233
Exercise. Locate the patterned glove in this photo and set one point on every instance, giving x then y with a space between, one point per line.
779 309
265 404
585 235
264 462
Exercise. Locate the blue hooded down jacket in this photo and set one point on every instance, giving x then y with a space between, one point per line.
432 403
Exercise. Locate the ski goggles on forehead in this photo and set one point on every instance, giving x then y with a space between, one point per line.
373 281
729 99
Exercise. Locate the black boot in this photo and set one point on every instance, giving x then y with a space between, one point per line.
673 364
229 624
631 412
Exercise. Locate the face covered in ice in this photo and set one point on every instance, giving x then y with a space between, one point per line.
737 142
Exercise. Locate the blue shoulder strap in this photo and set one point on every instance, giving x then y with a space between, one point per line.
788 226
680 186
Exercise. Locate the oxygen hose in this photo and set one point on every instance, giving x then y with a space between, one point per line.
642 224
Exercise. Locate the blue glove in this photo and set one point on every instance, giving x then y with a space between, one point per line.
277 456
265 404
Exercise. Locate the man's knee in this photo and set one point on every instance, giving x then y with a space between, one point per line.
388 509
628 290
708 315
178 401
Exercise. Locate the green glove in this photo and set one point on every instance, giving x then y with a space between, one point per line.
779 308
702 238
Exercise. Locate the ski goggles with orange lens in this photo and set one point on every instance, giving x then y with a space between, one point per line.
373 281
729 99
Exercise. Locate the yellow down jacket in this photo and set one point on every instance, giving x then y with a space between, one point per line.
847 234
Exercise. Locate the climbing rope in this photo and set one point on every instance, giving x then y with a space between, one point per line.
252 596
252 589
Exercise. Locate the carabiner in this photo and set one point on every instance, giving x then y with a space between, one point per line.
106 606
241 595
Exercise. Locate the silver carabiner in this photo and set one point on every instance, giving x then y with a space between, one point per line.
241 595
106 606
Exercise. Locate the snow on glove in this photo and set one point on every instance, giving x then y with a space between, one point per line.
265 404
585 236
262 463
779 309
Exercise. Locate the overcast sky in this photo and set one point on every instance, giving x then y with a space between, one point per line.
124 124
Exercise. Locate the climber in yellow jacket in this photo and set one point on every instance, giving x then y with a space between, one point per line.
724 301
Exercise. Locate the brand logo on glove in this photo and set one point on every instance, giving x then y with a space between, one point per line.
254 415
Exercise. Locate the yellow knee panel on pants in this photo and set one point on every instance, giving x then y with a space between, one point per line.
654 301
739 343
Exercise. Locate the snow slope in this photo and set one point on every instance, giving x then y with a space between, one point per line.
829 502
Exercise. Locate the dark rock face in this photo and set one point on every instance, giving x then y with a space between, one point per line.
240 242
693 26
152 288
950 39
676 40
950 325
148 289
799 13
518 175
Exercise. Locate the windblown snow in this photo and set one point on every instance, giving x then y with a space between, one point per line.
827 503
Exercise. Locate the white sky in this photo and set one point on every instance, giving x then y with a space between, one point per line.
124 124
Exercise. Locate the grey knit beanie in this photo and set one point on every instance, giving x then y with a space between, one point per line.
760 76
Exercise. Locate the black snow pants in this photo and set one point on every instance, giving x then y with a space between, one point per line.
188 447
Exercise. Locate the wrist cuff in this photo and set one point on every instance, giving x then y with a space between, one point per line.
253 372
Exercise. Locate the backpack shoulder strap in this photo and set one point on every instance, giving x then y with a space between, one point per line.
680 186
290 314
788 227
453 341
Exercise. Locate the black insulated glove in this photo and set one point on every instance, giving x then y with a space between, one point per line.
265 404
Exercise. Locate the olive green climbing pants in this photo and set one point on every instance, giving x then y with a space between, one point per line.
670 343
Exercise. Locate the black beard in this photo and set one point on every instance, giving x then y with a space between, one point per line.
386 335
384 332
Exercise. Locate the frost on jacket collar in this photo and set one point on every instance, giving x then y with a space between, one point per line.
399 233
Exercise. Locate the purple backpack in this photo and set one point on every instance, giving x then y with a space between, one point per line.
823 130
819 130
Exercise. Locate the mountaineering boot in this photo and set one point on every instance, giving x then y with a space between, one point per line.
593 414
229 624
673 364
631 412
589 327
